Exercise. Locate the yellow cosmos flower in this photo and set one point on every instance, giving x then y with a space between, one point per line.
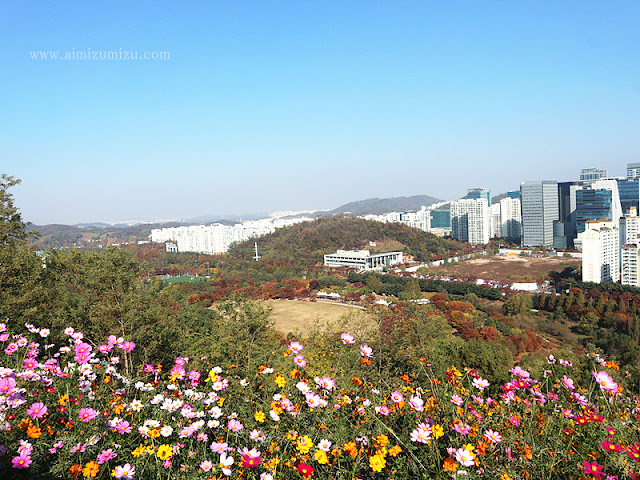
304 444
437 431
165 452
259 416
321 457
281 381
377 463
138 451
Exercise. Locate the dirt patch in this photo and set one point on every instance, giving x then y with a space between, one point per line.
508 269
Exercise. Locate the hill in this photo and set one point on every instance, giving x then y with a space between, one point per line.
307 242
378 206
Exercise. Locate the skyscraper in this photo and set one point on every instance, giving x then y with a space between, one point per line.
629 190
599 200
539 211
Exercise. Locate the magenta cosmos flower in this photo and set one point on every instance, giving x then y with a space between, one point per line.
37 410
86 414
21 461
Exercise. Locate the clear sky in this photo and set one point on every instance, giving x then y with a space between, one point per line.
266 105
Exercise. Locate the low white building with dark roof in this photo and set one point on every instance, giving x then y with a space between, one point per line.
362 259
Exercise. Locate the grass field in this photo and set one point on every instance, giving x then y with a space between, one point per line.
291 315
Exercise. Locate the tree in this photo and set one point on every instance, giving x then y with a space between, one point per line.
12 228
411 290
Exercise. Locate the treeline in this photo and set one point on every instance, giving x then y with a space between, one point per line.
396 285
606 317
307 243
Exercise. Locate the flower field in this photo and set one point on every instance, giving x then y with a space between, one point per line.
83 410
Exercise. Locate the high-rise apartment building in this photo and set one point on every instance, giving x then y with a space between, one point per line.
600 252
629 264
495 221
510 218
539 211
470 220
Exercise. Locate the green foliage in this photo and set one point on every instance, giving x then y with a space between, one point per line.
518 304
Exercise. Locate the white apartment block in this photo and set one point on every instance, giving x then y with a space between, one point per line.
470 221
630 229
629 260
511 218
217 238
600 252
495 220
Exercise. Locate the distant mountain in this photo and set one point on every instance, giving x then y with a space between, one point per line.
378 206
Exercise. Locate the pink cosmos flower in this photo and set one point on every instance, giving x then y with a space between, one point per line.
300 361
219 447
416 403
606 382
83 348
21 461
568 383
456 400
366 351
123 427
465 457
462 428
206 466
37 410
519 372
30 364
493 436
86 414
421 434
347 339
396 397
106 456
234 425
125 472
383 410
480 383
128 346
7 385
296 347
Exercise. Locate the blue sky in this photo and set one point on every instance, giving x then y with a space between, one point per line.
266 105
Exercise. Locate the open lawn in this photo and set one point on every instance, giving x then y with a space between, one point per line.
507 269
290 315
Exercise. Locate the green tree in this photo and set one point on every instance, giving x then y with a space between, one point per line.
411 290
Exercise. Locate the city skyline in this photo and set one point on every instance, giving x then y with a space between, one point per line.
272 106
